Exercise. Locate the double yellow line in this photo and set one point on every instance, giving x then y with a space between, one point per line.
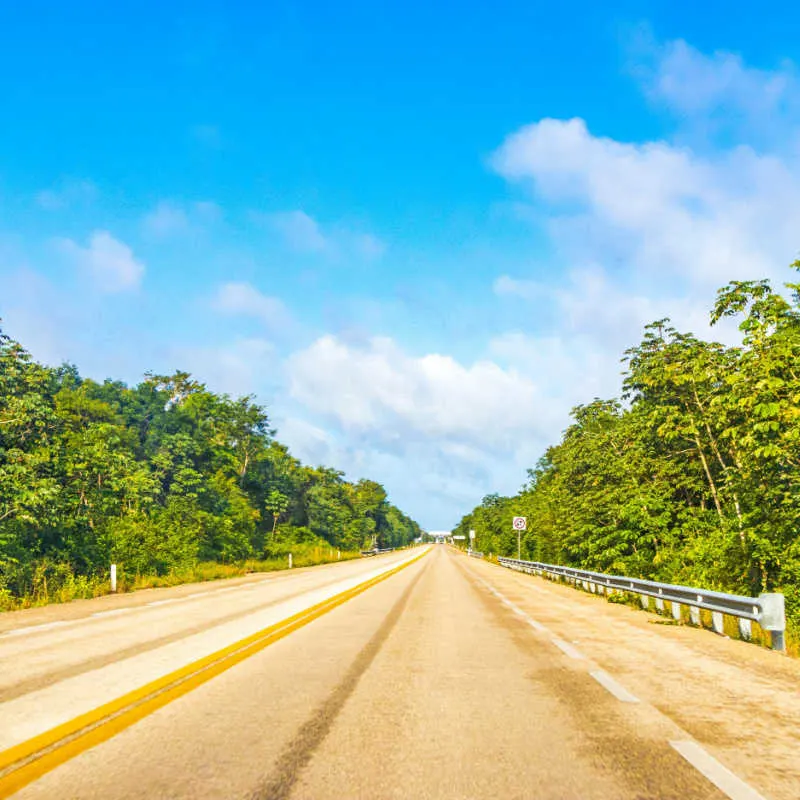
29 760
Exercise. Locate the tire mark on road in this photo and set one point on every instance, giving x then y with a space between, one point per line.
314 731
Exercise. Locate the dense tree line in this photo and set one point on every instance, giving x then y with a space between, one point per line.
158 477
693 477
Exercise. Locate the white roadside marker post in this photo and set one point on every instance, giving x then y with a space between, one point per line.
113 577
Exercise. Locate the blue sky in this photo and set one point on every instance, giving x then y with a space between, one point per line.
419 235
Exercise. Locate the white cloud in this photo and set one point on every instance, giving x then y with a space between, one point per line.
241 298
643 230
234 369
662 209
369 246
506 286
109 262
311 443
591 321
638 230
166 219
33 312
207 211
303 234
719 92
172 219
590 304
380 392
68 194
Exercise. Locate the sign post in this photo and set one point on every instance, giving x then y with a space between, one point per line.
520 524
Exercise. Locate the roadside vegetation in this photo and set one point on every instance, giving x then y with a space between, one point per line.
167 479
693 476
58 583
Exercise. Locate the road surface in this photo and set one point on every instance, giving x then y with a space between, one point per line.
446 677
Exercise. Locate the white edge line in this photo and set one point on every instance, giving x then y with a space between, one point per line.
45 626
607 682
708 766
537 626
113 612
567 648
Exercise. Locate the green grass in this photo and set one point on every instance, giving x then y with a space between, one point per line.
70 587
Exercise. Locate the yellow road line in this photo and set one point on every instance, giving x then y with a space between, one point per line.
29 760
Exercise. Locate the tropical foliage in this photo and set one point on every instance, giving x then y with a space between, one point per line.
157 477
694 477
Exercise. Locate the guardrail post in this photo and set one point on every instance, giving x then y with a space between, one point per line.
773 618
768 609
745 629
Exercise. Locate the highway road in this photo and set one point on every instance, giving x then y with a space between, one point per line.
418 674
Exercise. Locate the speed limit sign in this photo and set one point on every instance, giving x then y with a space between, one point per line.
520 523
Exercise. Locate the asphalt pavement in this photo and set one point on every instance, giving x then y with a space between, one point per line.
421 674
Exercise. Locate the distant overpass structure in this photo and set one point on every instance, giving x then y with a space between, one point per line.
441 536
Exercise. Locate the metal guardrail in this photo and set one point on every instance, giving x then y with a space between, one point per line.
474 554
767 609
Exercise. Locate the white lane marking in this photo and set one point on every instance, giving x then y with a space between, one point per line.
607 682
45 626
537 626
114 612
567 648
725 780
163 602
708 766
